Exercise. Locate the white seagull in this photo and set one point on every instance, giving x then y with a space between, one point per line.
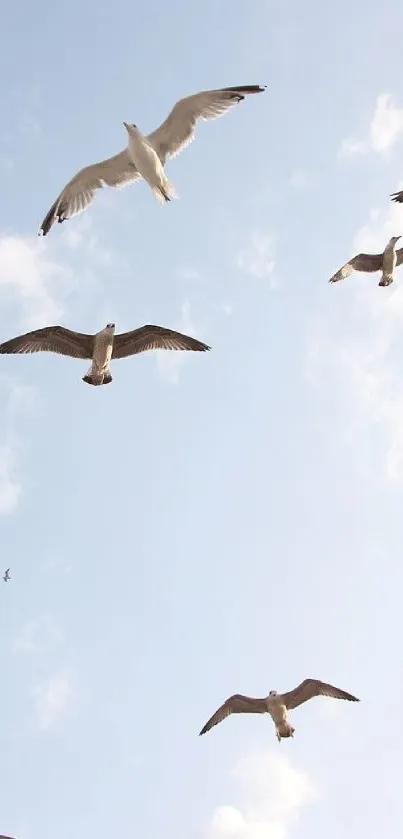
145 156
101 347
277 705
371 262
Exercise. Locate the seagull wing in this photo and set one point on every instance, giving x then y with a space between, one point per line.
236 704
51 339
362 262
178 129
117 171
397 196
154 338
399 257
312 687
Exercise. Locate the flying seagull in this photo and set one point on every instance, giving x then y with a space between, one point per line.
6 578
101 347
398 197
277 705
370 262
145 156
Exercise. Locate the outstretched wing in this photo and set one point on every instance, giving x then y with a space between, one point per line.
236 704
51 339
313 687
399 257
397 196
79 193
362 262
178 129
154 338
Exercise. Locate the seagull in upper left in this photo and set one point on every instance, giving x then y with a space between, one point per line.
145 156
6 578
101 347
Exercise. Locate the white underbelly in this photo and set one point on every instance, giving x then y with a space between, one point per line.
278 714
102 355
146 161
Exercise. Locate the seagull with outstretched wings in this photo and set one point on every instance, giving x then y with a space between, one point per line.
101 347
277 705
371 262
145 156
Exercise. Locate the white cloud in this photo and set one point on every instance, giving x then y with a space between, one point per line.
273 792
10 488
301 179
257 258
384 131
169 362
54 699
32 279
38 635
359 357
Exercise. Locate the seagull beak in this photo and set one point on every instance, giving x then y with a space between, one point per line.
126 126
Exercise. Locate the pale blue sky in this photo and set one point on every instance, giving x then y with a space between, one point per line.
228 522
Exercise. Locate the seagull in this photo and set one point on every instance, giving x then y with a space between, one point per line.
398 197
6 578
385 262
277 705
145 156
101 347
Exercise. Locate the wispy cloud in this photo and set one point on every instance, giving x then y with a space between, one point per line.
54 699
257 257
273 792
385 129
17 399
10 487
38 635
169 363
301 179
32 279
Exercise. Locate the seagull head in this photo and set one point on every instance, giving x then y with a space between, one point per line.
130 127
395 239
110 327
273 693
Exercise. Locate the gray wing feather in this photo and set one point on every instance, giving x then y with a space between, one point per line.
399 257
362 262
55 339
153 338
78 194
178 129
313 687
236 704
397 196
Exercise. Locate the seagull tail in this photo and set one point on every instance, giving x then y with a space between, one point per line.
95 378
165 191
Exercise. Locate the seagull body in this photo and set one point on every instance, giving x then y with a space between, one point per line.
6 578
370 262
148 164
277 705
101 347
145 156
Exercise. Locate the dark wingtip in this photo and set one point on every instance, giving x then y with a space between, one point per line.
397 196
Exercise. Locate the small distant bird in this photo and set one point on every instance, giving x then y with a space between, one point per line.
398 197
370 262
145 156
277 705
6 578
101 347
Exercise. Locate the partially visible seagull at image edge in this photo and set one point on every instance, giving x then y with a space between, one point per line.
371 262
277 705
101 347
145 156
